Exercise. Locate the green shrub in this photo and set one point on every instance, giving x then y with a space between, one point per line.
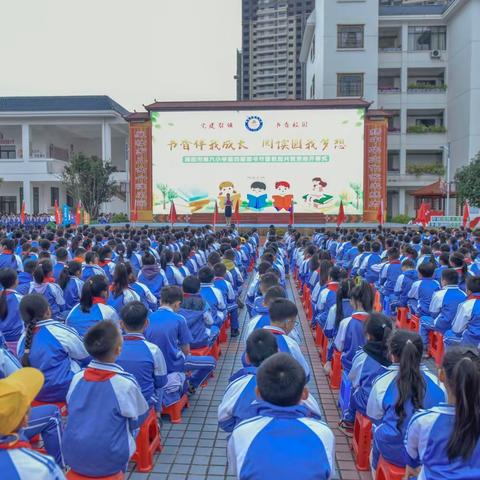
424 129
430 169
401 219
119 218
421 86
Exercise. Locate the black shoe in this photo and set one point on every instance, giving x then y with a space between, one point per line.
191 390
234 332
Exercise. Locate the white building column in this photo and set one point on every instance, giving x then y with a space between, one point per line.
27 187
106 142
27 196
401 201
26 142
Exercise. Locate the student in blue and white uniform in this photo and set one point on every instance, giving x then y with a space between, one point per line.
421 292
173 274
403 285
134 257
92 307
327 297
61 255
281 442
398 394
17 459
142 359
253 289
105 262
105 409
8 259
91 266
445 439
143 292
152 275
267 281
25 278
71 285
56 350
351 331
240 400
121 292
44 284
212 295
169 331
229 296
11 325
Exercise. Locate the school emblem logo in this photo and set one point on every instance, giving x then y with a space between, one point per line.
253 123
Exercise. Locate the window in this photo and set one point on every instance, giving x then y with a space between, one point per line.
7 152
427 38
350 85
350 36
54 196
426 122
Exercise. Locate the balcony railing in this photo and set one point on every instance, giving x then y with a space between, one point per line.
390 49
388 89
420 88
425 169
425 129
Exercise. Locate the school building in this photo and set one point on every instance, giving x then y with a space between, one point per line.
40 135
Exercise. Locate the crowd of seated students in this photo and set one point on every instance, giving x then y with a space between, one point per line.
106 325
107 322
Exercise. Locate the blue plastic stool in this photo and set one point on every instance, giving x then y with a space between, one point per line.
345 392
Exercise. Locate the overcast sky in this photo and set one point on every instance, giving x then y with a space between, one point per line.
131 50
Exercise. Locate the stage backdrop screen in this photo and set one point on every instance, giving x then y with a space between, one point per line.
265 160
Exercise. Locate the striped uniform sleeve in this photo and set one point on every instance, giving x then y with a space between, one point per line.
339 341
358 362
375 409
70 341
131 402
109 313
463 316
297 355
159 365
416 438
226 420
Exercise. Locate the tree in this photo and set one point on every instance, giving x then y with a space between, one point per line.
88 179
467 180
171 195
163 188
357 188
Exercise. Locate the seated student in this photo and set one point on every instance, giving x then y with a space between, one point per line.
92 307
17 459
351 334
71 285
281 442
151 275
234 276
51 347
79 255
44 284
240 401
457 261
444 440
229 296
466 324
371 361
169 331
11 326
327 297
404 389
105 408
342 308
44 420
421 292
61 255
173 274
142 359
350 255
25 278
8 259
283 318
212 296
357 261
105 262
443 306
389 274
320 280
404 284
267 281
121 293
253 289
370 267
143 292
474 268
444 263
197 315
90 267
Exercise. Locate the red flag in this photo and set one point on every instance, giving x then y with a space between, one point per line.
133 212
237 213
422 215
292 214
215 215
58 216
341 217
172 216
381 213
466 214
78 214
22 213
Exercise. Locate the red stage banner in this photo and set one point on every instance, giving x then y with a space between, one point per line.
141 170
375 188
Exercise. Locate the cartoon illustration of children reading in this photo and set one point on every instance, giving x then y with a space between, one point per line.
227 188
317 198
257 200
282 200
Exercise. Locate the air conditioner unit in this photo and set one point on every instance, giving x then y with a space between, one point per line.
436 54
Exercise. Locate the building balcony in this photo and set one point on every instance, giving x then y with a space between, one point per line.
426 140
389 58
396 179
38 169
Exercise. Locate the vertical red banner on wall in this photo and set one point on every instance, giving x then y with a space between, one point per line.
375 180
141 170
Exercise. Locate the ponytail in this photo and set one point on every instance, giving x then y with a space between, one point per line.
44 267
131 247
363 294
32 309
120 280
408 348
379 328
462 371
167 257
93 287
70 270
343 293
8 277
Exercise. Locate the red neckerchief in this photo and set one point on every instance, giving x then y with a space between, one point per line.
394 262
97 375
474 296
276 332
15 444
360 316
78 259
104 263
132 337
97 300
8 252
332 286
49 280
218 278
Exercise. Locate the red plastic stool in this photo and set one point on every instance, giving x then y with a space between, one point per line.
436 347
387 471
335 377
223 333
213 351
362 442
414 323
228 322
319 336
324 348
62 406
402 317
377 302
71 475
174 411
148 443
